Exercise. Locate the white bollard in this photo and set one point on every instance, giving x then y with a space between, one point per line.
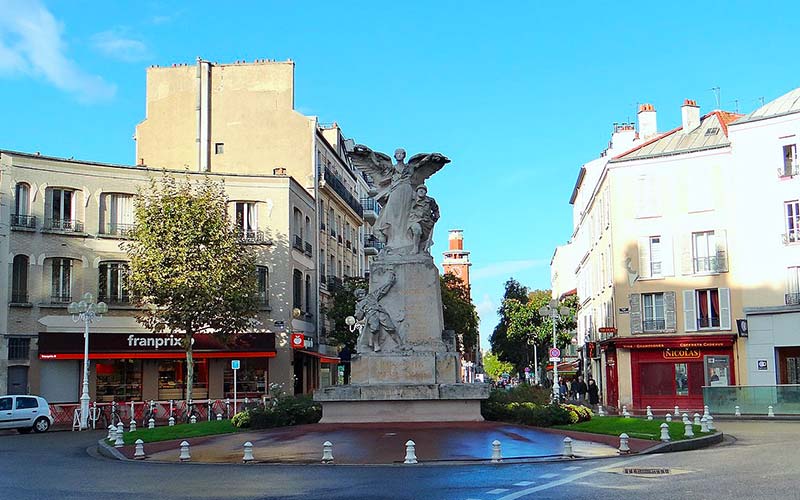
151 424
770 412
696 417
668 418
139 453
600 412
219 416
112 432
685 418
625 412
665 432
327 452
649 413
171 421
133 425
704 424
677 411
248 453
185 456
623 443
737 411
118 441
193 420
568 447
710 421
687 429
705 411
497 455
411 456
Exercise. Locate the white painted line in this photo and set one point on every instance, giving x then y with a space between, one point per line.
569 479
548 475
523 483
497 491
572 467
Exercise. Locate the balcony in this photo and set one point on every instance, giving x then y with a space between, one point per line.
707 323
114 299
23 221
63 225
339 188
253 237
707 264
371 209
322 226
347 244
118 230
792 299
789 170
334 282
61 298
297 243
654 325
372 245
339 238
791 237
307 248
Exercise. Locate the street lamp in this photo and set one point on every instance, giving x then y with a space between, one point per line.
554 313
468 365
87 310
354 325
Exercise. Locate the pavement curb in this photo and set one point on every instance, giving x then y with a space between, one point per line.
109 451
685 445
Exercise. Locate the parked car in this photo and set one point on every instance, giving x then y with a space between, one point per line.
25 413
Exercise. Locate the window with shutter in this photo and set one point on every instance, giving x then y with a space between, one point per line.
635 313
724 308
721 250
670 319
689 318
644 257
667 258
653 312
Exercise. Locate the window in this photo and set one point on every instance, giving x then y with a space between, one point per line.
19 348
251 378
246 221
308 227
704 246
792 211
21 216
25 403
708 312
5 404
263 285
19 279
61 290
681 380
112 286
298 230
308 293
653 312
790 165
332 267
297 290
219 148
61 215
331 220
116 214
655 255
792 285
119 380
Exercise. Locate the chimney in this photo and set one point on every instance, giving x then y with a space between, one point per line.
279 171
690 115
647 121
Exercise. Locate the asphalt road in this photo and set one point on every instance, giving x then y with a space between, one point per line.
762 462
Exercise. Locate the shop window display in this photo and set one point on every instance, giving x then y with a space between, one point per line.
172 380
119 380
251 379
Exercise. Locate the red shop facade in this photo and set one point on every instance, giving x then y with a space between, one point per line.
671 371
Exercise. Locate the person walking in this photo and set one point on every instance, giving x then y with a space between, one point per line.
580 389
563 390
593 391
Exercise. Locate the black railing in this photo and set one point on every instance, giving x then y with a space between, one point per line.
339 238
334 282
297 243
333 232
654 325
307 248
61 298
24 221
371 205
706 264
792 299
262 299
19 296
64 225
340 189
371 241
792 236
114 298
253 237
347 244
789 169
707 322
321 226
121 230
323 280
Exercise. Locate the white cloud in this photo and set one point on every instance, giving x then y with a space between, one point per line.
115 44
31 44
506 268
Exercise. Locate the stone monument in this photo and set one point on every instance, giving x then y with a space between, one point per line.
405 369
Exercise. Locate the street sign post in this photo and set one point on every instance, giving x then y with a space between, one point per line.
235 364
555 352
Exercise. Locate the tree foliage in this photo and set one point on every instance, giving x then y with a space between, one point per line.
502 346
459 312
494 367
341 305
187 264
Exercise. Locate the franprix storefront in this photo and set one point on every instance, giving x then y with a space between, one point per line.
145 366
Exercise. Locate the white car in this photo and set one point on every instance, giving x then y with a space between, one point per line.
25 413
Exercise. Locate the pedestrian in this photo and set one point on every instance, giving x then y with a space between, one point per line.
581 388
563 390
593 391
573 389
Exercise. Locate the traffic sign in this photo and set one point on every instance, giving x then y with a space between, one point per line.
555 359
527 370
235 364
298 340
555 352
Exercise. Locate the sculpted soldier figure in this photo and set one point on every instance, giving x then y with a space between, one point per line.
424 214
376 318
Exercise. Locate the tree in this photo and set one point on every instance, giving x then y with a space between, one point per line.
506 349
459 313
188 266
341 305
494 367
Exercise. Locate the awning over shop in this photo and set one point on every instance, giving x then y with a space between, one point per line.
672 342
322 357
566 366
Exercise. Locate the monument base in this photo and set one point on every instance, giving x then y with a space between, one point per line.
402 403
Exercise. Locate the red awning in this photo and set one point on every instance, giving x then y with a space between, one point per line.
322 357
159 355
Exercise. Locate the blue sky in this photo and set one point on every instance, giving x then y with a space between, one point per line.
518 94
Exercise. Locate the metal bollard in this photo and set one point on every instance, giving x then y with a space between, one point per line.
411 456
185 456
568 447
219 416
327 452
625 412
677 411
737 411
139 453
687 429
133 425
497 455
151 424
770 412
112 432
248 453
668 418
118 441
685 418
704 424
665 432
649 413
696 419
193 420
623 443
171 421
600 412
710 421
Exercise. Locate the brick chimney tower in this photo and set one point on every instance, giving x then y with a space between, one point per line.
456 259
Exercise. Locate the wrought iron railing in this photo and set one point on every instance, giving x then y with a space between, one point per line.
706 264
253 237
654 325
789 170
369 204
340 189
334 282
114 298
23 221
297 242
63 225
117 229
371 241
307 248
790 237
61 298
792 299
707 322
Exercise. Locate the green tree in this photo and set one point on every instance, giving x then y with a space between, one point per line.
341 305
188 266
459 313
504 348
494 367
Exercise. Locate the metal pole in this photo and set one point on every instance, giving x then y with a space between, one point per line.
535 364
234 391
556 385
85 393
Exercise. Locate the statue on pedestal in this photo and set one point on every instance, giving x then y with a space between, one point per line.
375 317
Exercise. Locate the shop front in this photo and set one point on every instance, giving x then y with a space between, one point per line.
144 366
671 371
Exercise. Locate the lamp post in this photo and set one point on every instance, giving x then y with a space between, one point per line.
554 313
87 310
468 366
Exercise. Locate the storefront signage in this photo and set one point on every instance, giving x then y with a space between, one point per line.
762 365
681 354
607 329
155 342
298 340
624 310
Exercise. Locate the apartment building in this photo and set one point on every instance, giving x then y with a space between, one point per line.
654 273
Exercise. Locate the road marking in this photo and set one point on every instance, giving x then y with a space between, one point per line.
572 467
523 483
497 491
548 475
569 479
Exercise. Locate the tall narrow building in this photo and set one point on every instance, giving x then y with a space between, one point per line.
456 259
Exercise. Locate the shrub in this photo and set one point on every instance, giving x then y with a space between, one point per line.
281 411
241 419
582 413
